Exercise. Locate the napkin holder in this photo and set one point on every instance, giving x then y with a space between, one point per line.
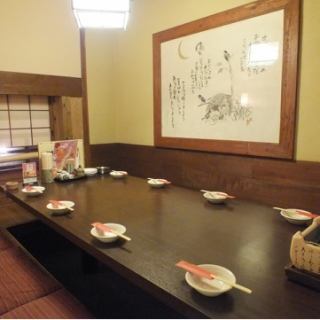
46 167
305 256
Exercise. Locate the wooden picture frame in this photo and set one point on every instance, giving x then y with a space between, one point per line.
176 81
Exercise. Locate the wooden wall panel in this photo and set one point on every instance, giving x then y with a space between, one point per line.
274 182
73 117
66 118
103 155
56 119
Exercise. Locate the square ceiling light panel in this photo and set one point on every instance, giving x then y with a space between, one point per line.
101 13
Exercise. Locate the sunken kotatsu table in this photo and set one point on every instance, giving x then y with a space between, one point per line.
172 224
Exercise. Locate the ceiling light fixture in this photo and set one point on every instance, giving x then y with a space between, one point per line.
101 13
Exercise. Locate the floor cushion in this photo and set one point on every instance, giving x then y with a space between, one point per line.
22 280
58 305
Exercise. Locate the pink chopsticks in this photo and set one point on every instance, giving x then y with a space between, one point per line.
226 195
161 180
102 228
164 181
306 214
55 203
220 194
200 272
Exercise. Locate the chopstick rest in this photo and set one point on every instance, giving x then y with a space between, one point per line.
200 272
102 228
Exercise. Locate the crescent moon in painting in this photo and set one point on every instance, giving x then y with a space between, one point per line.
181 55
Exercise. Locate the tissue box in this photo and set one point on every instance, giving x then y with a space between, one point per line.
305 248
305 256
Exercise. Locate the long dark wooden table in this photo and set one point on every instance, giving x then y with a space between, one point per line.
171 224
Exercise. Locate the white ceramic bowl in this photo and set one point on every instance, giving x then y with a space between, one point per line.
293 217
215 196
63 207
90 171
35 191
109 236
211 288
156 183
118 174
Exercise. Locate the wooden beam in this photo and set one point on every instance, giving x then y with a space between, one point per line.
39 84
85 107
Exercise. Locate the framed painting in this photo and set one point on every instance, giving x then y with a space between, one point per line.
227 83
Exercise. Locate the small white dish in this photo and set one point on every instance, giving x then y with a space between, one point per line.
33 191
118 174
90 171
156 183
211 288
109 236
293 217
216 196
64 206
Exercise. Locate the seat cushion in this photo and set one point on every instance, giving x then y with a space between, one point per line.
4 243
22 280
58 305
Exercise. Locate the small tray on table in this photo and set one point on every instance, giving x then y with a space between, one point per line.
70 179
306 278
